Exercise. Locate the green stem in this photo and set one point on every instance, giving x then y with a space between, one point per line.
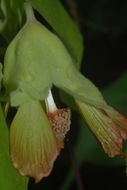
29 12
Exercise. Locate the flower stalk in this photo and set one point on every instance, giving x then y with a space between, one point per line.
29 12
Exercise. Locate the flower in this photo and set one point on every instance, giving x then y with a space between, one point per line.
35 61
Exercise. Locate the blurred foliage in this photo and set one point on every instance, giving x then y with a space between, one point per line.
116 93
107 16
10 18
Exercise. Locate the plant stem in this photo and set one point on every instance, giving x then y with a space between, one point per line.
29 12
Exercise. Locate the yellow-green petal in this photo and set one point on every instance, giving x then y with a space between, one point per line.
33 145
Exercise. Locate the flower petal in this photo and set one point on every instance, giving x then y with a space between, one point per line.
108 125
33 145
120 120
60 122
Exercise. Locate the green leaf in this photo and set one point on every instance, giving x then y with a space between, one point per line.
116 93
60 21
10 179
87 148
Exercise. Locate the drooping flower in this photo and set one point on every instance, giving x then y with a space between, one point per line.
35 61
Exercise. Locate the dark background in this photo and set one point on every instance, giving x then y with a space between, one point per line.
103 24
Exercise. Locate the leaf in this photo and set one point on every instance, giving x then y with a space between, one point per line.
87 148
60 21
10 179
116 93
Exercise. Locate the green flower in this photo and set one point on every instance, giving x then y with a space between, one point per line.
35 61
